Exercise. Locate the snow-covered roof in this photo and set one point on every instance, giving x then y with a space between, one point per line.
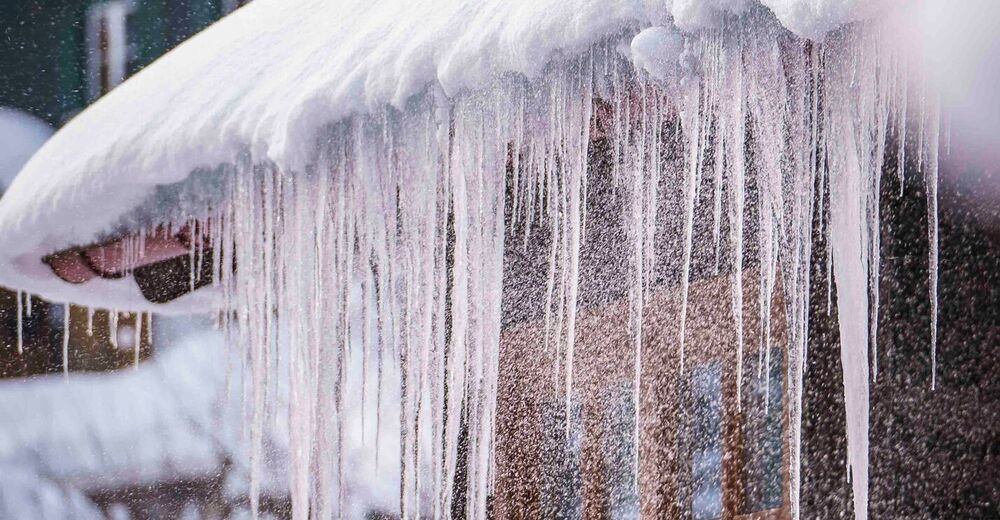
261 83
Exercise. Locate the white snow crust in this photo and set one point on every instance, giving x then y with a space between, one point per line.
262 83
814 18
657 50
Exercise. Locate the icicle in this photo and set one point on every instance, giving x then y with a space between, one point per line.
138 339
849 245
636 290
931 181
20 324
90 321
576 176
192 226
735 146
65 340
802 225
717 206
691 122
402 222
901 155
27 304
113 327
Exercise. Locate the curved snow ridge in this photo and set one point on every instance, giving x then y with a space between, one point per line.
264 82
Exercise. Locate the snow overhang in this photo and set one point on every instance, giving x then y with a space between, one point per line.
259 86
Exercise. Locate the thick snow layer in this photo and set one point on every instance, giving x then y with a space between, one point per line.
20 136
263 82
370 233
700 14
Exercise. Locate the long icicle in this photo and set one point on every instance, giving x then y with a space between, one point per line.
20 323
931 181
405 220
65 340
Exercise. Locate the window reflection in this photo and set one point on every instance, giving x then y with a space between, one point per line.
705 437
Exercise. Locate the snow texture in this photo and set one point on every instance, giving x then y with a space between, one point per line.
657 50
813 19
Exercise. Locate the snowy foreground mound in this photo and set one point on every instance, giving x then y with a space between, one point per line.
177 418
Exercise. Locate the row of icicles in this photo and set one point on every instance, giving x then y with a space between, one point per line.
143 325
389 254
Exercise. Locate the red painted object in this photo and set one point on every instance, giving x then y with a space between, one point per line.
161 268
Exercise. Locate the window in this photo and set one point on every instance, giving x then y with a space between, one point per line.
704 436
618 452
703 455
108 49
763 447
562 460
732 448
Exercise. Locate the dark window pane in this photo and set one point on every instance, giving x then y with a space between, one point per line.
706 441
618 439
562 479
762 424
